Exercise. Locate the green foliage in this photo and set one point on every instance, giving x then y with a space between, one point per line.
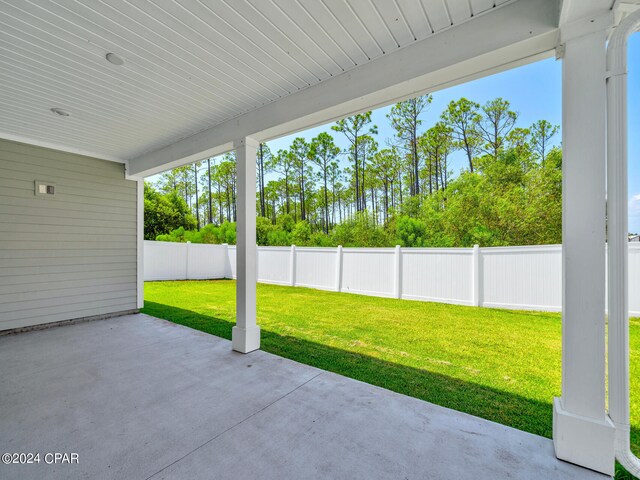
209 234
361 230
263 229
286 223
411 232
512 200
164 212
320 239
278 238
228 233
180 235
464 119
541 134
508 193
225 233
301 233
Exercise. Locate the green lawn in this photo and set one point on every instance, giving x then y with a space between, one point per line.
500 365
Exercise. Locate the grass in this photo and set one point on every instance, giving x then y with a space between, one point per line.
501 365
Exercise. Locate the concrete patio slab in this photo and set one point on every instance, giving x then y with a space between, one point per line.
139 398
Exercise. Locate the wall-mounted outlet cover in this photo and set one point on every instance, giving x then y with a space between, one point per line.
45 189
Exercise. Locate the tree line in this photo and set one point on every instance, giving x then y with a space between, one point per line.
402 192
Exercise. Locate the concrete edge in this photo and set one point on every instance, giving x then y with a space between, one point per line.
62 323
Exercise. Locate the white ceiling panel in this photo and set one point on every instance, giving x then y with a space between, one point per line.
188 64
458 11
479 6
396 23
437 12
351 22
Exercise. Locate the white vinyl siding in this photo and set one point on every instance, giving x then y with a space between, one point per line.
68 256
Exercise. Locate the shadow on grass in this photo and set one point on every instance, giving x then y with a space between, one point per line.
502 407
485 402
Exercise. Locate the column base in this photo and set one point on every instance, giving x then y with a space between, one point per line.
584 441
245 340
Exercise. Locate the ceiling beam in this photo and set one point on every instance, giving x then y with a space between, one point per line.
508 36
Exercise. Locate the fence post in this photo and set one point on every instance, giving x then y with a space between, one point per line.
186 267
227 262
292 264
477 278
397 286
339 268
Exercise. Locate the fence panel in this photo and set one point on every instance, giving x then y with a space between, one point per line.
231 262
206 261
316 268
634 279
528 278
165 261
274 265
369 271
437 275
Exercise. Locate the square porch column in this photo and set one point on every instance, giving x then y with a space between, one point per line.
582 431
139 238
245 336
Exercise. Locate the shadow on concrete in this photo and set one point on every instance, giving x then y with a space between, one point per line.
506 408
499 406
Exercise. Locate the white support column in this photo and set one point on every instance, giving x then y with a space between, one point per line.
246 334
139 238
140 242
582 431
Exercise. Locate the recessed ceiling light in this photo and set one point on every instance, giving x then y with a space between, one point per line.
59 111
115 59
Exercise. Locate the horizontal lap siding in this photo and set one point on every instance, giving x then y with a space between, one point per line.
69 256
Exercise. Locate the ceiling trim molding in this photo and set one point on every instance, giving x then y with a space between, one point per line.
59 147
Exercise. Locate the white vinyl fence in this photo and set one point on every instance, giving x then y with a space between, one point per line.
528 278
184 261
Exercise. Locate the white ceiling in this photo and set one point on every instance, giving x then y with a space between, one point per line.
189 65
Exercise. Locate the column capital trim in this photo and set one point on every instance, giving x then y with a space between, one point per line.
586 26
246 141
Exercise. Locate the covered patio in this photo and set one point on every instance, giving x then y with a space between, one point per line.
139 397
98 95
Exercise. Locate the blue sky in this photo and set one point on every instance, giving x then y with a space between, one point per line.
535 92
